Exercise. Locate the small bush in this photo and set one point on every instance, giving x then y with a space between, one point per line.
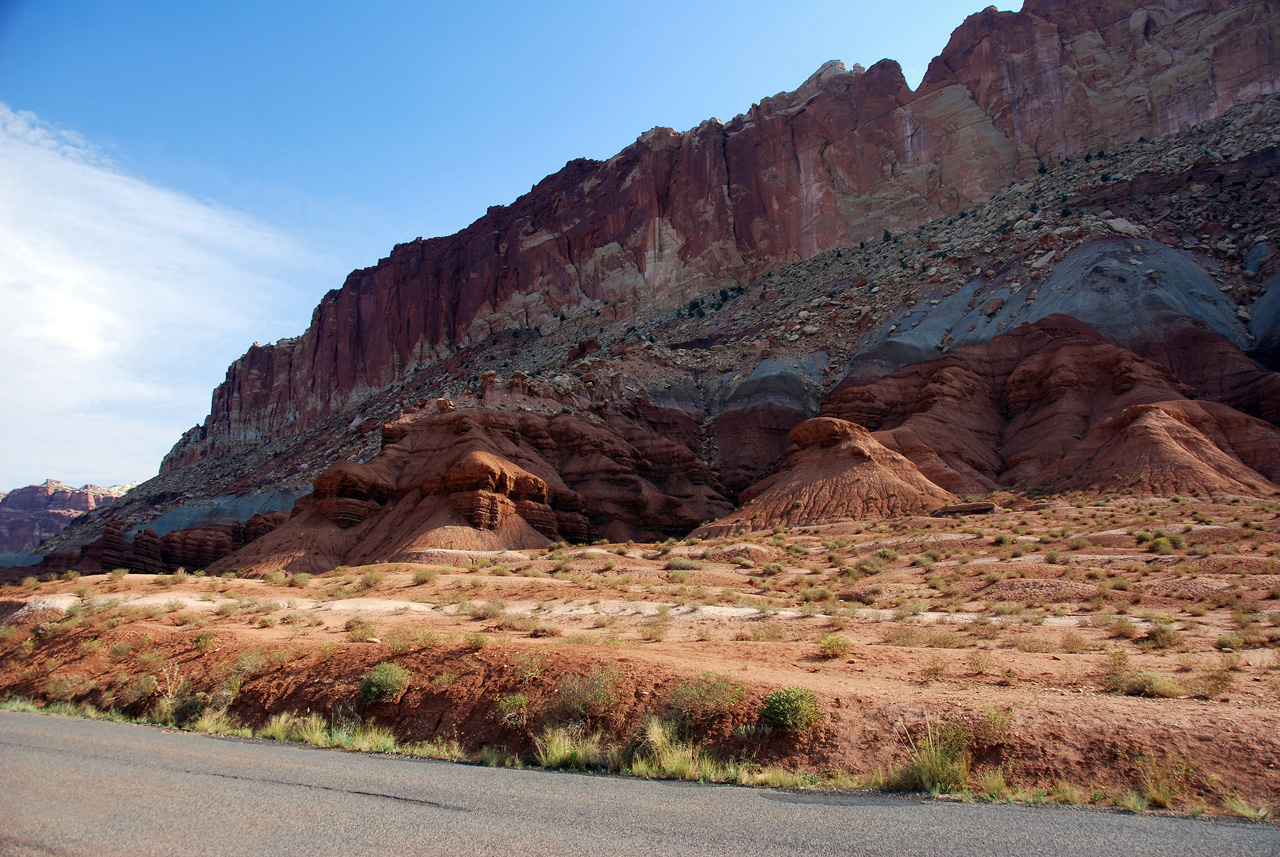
203 641
792 708
476 641
1155 686
423 576
940 760
679 563
834 646
513 709
590 696
705 700
273 578
359 629
301 580
1161 636
386 679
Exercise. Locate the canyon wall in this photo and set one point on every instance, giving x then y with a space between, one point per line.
848 155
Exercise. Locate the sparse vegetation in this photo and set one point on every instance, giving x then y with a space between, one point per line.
385 680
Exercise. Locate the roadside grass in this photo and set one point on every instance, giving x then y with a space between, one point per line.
940 758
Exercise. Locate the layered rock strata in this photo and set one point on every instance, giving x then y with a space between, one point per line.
848 155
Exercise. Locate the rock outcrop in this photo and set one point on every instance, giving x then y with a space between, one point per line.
848 155
489 480
32 514
840 472
1053 406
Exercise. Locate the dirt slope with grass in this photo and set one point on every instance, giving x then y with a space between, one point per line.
1110 651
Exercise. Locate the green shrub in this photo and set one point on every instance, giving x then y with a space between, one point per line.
679 563
706 699
792 708
834 646
940 760
273 578
513 709
386 679
203 641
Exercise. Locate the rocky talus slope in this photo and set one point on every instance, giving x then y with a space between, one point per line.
1009 278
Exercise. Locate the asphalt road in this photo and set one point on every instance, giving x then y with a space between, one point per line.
78 787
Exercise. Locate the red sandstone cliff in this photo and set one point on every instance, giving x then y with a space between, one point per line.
32 514
847 155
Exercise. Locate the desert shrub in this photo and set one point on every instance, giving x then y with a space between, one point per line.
476 640
529 667
1115 671
68 687
386 679
706 699
371 579
1161 636
203 641
1122 628
1152 685
424 576
940 760
590 696
359 629
834 646
792 708
680 563
273 578
816 594
140 689
490 609
513 709
301 580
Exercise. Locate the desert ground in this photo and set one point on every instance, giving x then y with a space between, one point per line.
1101 650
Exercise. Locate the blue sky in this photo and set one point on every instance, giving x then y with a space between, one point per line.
178 180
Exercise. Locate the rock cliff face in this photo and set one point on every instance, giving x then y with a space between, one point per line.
32 514
848 155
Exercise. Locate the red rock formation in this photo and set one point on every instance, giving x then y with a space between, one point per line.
1174 447
842 158
1062 76
32 514
841 471
1053 406
483 479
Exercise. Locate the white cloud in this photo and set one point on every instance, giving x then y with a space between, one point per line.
121 304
